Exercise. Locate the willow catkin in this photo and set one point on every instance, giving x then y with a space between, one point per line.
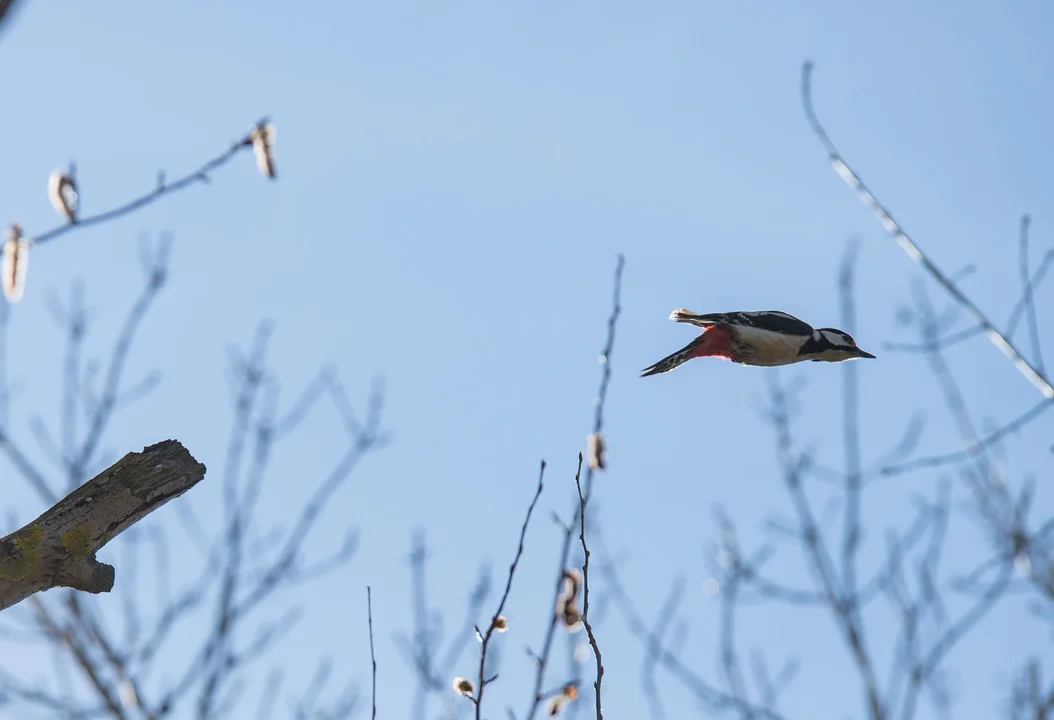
15 262
263 138
62 191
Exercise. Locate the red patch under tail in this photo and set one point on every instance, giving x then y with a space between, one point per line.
714 342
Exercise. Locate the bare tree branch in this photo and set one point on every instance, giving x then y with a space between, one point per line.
201 175
973 449
114 669
662 623
585 590
713 697
841 603
104 406
1016 314
1028 294
542 658
498 622
421 651
1001 341
1028 699
373 658
850 427
58 548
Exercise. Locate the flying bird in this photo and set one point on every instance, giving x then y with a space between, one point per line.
768 338
62 191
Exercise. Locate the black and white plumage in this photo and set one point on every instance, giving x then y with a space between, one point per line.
766 338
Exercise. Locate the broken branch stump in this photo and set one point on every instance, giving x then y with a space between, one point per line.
58 548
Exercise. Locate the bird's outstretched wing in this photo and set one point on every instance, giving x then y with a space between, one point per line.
772 320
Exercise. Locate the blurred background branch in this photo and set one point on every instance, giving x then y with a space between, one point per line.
1034 373
7 8
111 650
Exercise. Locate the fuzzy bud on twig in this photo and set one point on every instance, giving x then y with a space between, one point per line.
15 263
464 686
263 136
557 703
596 447
567 603
62 191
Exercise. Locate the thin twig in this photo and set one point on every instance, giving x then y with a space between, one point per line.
542 658
77 459
851 428
201 175
1034 282
973 449
1034 375
103 412
714 698
421 650
923 666
817 554
70 639
373 659
927 665
585 589
483 682
605 360
729 656
1011 324
647 671
1030 305
954 398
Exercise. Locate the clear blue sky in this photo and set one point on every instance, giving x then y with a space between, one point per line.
455 180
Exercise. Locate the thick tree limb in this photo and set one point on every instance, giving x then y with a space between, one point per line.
58 548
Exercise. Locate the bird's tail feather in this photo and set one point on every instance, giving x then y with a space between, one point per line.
668 363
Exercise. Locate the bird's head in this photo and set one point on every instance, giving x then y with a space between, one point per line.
837 345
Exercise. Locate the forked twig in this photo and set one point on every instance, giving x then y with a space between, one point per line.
494 623
1001 341
542 658
201 175
585 589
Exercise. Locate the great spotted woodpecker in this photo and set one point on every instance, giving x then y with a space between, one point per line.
766 338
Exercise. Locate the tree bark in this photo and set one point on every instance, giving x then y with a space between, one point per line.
58 548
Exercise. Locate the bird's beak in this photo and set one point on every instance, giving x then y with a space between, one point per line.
861 353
